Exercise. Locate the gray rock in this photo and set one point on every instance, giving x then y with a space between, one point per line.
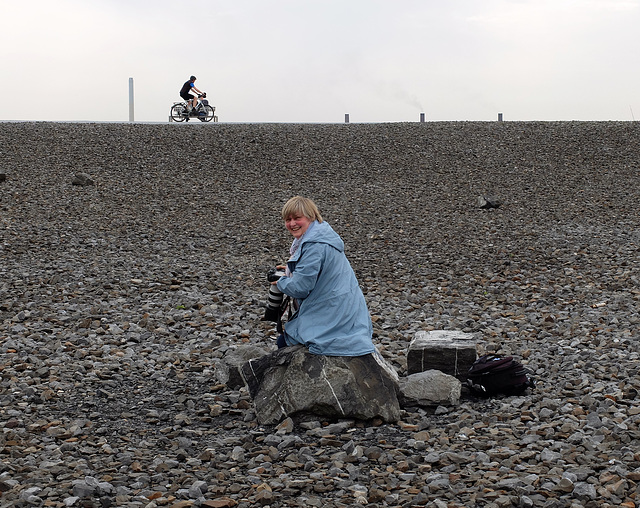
488 202
30 494
583 490
429 388
82 180
85 488
198 489
105 488
292 381
449 351
228 368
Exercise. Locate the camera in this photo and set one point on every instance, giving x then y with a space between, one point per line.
274 274
274 301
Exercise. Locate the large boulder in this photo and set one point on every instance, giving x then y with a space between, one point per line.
291 381
228 368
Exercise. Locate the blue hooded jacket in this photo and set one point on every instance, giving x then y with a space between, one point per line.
333 319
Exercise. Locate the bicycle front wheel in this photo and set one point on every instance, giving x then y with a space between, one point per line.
208 116
177 113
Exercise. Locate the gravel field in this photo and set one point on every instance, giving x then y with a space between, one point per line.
119 299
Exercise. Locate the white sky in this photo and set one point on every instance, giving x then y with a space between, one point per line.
316 60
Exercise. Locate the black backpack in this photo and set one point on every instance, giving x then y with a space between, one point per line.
493 374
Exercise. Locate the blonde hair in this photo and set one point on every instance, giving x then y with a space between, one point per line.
298 205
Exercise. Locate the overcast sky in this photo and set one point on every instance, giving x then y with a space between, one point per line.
316 60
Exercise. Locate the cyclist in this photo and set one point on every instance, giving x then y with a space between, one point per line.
189 86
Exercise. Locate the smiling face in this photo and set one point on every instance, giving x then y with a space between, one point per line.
297 224
298 214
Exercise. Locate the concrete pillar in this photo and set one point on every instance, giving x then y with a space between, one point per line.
131 99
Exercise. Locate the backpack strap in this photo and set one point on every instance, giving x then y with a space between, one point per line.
283 308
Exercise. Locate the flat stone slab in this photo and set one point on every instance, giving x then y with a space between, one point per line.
449 351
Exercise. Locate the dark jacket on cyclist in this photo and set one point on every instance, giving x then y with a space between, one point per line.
186 88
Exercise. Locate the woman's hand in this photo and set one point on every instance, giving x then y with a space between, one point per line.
280 268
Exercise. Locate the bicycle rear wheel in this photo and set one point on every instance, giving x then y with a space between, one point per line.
177 113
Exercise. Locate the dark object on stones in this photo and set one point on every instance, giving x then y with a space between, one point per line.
291 381
449 351
3 177
493 374
488 202
82 179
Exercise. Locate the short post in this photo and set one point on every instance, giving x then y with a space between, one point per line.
131 99
499 117
421 117
346 118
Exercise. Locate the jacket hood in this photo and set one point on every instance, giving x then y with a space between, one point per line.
322 232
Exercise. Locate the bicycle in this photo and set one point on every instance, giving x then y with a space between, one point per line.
203 111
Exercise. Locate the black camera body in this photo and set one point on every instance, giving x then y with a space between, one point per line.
274 275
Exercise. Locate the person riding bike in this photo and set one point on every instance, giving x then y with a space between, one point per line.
185 93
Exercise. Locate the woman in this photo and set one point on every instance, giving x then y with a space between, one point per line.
330 314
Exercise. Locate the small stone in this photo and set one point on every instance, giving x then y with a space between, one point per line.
285 426
488 202
222 502
566 485
82 180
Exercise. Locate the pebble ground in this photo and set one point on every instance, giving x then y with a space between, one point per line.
118 300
